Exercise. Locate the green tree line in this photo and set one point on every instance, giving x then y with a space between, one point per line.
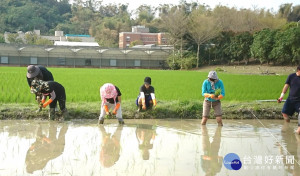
200 35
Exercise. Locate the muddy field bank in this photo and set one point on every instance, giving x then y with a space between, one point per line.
174 109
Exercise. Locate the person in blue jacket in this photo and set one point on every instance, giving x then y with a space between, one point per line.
210 87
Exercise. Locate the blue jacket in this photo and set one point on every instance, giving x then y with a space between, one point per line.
206 88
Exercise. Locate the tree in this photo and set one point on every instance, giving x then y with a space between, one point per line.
240 46
27 15
145 14
268 20
202 28
175 22
107 37
14 38
286 46
82 19
2 39
263 42
285 10
31 38
42 41
136 42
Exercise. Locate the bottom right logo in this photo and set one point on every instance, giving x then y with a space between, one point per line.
232 161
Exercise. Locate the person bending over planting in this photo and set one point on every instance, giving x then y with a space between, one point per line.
55 91
292 103
213 91
146 98
38 72
111 99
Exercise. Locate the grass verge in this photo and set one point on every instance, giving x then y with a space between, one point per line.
164 109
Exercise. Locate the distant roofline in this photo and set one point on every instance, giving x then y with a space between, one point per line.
148 33
62 43
77 35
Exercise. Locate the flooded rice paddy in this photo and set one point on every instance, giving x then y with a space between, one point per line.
148 147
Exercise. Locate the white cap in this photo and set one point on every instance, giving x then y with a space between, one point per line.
213 75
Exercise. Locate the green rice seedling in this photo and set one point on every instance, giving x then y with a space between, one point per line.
83 84
218 92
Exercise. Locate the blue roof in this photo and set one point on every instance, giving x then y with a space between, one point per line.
77 35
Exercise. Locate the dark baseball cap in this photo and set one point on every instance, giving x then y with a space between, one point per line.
147 80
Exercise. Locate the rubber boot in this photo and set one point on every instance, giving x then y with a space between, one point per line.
121 121
100 121
56 108
51 113
64 115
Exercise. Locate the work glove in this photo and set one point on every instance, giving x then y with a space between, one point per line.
116 108
47 103
144 107
207 95
220 97
106 110
154 102
279 100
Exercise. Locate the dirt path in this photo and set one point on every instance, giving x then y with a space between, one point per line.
252 69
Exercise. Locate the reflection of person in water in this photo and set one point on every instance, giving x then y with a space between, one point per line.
110 147
45 148
145 135
292 143
211 163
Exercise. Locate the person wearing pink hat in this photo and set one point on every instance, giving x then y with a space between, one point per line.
111 99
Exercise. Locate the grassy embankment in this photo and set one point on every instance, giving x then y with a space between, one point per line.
178 92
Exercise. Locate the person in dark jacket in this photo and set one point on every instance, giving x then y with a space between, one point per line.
55 91
38 72
46 147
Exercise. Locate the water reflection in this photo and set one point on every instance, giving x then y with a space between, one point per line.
110 147
45 147
211 162
145 135
291 148
151 147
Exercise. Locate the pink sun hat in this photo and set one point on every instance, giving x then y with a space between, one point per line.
107 91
